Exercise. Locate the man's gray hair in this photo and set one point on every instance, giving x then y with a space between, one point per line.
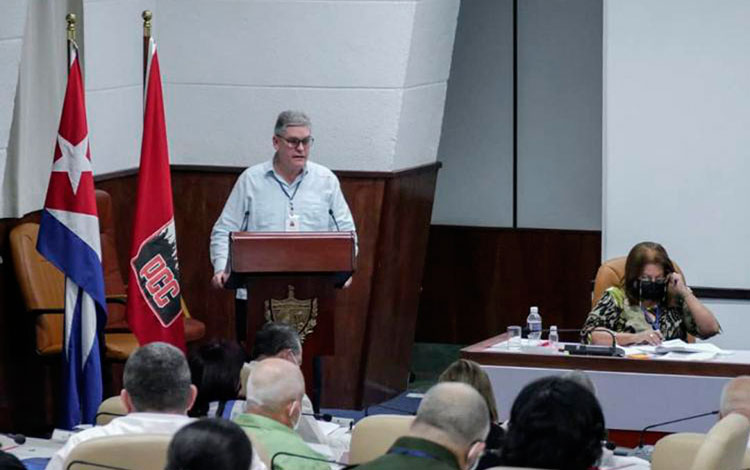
273 383
456 409
291 118
157 378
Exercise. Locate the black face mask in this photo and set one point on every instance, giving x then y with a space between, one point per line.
651 290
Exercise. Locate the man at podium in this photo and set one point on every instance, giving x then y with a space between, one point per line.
287 193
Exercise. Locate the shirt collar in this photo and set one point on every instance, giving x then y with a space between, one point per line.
435 450
269 170
257 421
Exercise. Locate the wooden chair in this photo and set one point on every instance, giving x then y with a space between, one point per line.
126 452
610 274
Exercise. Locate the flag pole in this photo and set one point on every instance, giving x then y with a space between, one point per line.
71 19
147 15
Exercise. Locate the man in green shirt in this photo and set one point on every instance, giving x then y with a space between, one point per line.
273 410
448 433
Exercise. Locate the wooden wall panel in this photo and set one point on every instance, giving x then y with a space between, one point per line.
402 244
477 281
375 317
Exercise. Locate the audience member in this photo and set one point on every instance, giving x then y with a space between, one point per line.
735 397
10 462
273 411
469 372
210 443
215 370
281 341
554 423
447 434
157 395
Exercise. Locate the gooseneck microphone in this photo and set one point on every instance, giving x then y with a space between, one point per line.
303 457
592 349
335 222
687 418
320 416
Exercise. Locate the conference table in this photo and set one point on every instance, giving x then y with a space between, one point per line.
634 393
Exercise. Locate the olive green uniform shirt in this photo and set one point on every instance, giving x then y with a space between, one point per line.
412 453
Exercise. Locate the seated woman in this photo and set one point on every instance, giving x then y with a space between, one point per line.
215 371
652 305
554 423
469 372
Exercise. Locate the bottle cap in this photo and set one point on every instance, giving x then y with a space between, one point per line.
534 310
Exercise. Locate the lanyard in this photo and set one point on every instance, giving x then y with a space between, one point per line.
412 453
655 324
294 193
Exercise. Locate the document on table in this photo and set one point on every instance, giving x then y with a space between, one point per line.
679 350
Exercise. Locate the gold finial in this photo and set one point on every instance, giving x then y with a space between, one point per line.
147 15
71 19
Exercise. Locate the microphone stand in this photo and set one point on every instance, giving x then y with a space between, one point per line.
651 426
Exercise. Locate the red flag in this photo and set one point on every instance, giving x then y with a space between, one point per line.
154 300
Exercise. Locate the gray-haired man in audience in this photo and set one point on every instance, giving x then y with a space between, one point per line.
448 433
273 411
157 395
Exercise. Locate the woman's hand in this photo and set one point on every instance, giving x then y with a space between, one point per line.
652 337
676 286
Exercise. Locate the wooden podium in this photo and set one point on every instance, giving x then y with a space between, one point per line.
290 278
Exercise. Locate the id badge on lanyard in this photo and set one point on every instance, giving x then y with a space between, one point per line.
292 222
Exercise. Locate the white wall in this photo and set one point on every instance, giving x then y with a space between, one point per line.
12 26
366 72
559 117
475 185
114 81
677 146
560 114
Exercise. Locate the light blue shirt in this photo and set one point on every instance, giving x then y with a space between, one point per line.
260 201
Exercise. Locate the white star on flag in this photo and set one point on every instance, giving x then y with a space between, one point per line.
73 160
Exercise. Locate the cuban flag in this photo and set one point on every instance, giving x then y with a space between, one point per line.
69 239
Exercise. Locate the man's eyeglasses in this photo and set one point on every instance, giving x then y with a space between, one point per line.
293 142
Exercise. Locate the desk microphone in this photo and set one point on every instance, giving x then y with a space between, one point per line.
304 457
591 349
688 418
330 212
19 439
320 416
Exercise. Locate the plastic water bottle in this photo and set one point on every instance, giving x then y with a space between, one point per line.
554 338
534 324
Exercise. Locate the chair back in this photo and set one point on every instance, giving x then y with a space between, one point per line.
126 452
109 409
374 435
676 451
611 273
725 445
41 286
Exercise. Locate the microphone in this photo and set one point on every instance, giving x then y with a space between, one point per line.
591 349
596 350
330 212
19 439
688 418
304 457
320 416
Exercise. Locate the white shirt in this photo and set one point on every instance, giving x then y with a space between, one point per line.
133 423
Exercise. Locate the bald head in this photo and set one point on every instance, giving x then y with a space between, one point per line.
457 410
273 384
735 397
